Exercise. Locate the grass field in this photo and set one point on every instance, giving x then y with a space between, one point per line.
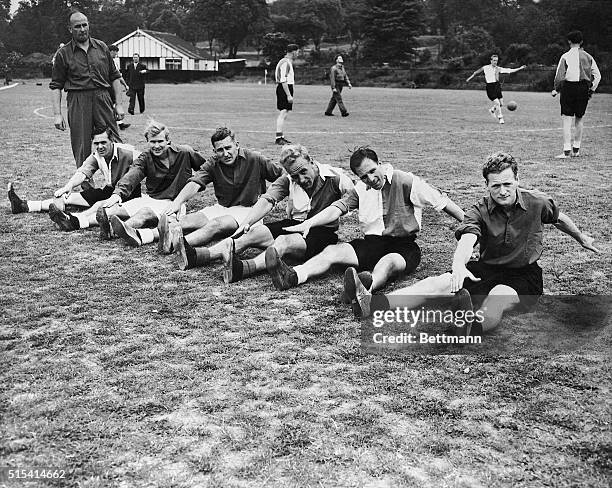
127 372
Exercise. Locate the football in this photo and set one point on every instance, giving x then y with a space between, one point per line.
512 106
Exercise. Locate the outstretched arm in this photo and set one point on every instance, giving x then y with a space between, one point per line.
454 210
462 255
478 71
566 225
326 216
189 191
257 212
514 70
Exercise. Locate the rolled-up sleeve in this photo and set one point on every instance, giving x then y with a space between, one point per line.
59 73
550 211
472 223
204 175
423 193
125 186
278 190
348 202
270 170
346 184
89 167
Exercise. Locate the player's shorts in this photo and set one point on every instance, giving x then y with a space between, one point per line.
281 97
93 195
158 206
526 281
372 249
317 239
238 212
494 90
574 98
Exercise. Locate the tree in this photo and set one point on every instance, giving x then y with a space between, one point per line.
229 21
390 27
354 20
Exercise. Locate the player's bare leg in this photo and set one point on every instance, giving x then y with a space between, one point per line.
566 121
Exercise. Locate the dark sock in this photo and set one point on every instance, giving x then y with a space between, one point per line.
567 153
248 267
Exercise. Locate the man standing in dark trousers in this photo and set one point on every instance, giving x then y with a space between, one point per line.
135 74
85 69
338 79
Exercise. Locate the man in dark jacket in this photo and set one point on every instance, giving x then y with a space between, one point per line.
338 80
135 80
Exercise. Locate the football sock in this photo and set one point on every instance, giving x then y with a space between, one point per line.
147 236
83 221
35 206
249 267
279 135
301 275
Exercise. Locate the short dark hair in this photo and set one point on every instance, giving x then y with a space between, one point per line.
112 47
575 37
359 154
337 56
498 162
220 134
101 130
494 55
136 54
291 47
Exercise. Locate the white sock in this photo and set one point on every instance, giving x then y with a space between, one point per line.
35 206
576 144
301 274
83 221
146 235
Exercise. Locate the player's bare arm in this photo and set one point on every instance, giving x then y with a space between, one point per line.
461 257
567 225
327 216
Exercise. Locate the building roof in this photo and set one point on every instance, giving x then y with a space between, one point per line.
178 44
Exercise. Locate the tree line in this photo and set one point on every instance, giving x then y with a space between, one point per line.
371 31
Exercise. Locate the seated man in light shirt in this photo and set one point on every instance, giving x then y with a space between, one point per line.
112 159
390 205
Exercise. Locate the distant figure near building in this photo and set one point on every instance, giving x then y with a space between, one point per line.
135 78
338 80
114 50
577 79
285 80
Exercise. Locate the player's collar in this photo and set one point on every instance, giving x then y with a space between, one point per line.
519 202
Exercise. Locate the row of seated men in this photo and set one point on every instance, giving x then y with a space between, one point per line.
506 222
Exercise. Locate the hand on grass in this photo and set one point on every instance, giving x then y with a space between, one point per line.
588 242
172 208
62 191
458 277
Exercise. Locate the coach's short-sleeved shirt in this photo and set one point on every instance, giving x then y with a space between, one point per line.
240 183
396 209
514 238
76 70
331 185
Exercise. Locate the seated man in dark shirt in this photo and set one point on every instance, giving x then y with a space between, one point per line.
238 176
508 223
167 167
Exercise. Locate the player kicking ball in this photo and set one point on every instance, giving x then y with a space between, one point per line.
492 72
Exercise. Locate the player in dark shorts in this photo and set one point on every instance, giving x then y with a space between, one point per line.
285 80
508 224
390 204
577 78
112 159
494 92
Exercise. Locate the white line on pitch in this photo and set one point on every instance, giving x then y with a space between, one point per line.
36 112
9 86
448 132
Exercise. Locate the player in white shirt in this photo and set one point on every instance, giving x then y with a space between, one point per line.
577 79
492 72
284 90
